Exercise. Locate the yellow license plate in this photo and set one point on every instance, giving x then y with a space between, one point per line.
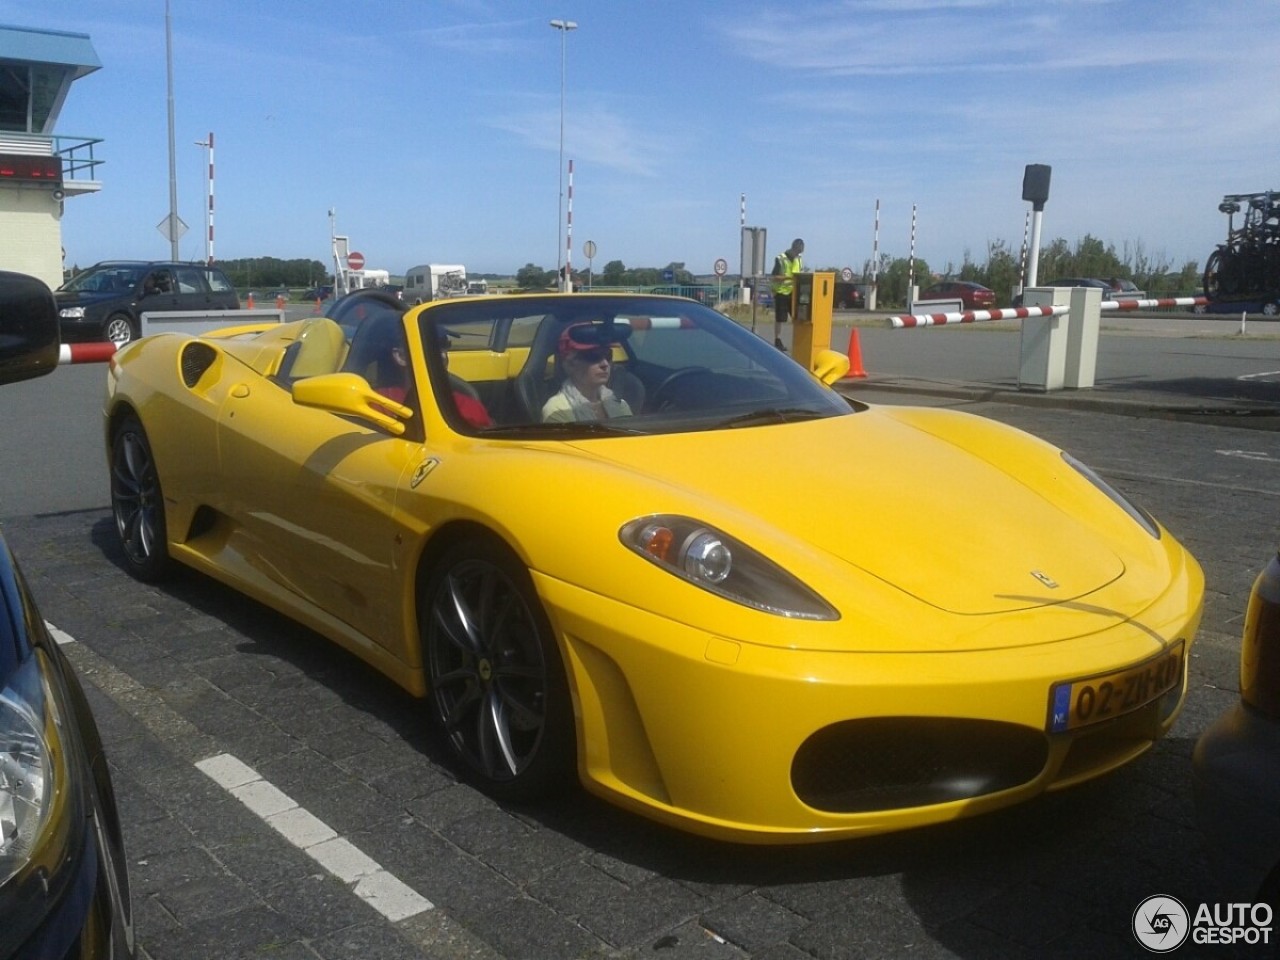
1079 703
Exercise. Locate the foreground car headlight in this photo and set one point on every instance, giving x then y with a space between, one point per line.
1144 519
71 313
33 827
724 566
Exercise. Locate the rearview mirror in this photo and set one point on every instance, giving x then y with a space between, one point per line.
829 366
29 334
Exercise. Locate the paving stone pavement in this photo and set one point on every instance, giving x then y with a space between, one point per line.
180 673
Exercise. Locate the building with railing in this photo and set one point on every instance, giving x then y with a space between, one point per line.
40 171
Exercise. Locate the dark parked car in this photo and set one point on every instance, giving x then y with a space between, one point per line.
974 296
1125 290
848 296
107 301
1236 764
1103 285
64 887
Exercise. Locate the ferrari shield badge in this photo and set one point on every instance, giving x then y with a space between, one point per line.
424 468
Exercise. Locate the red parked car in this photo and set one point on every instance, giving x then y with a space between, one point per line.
974 296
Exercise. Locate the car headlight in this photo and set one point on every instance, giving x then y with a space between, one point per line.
71 313
34 827
718 563
1144 519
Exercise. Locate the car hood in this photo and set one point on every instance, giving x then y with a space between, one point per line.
971 518
72 297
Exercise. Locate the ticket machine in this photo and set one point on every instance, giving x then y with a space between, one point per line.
813 300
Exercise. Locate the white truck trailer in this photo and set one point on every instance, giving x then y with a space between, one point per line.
435 281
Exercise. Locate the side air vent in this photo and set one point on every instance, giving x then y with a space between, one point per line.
196 359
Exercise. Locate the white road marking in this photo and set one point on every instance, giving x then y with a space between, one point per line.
1250 455
59 637
381 890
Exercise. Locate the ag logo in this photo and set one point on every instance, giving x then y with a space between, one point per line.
1161 924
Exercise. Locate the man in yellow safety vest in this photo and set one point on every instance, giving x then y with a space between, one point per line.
785 267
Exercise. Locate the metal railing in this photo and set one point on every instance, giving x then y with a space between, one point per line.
78 157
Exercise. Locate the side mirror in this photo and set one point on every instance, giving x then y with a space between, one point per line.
29 333
829 366
349 394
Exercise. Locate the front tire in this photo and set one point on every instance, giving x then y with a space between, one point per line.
118 329
137 503
498 691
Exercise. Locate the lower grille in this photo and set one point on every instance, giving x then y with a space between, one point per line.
888 763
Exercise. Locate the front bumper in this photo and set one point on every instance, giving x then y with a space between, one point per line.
717 736
84 915
1235 778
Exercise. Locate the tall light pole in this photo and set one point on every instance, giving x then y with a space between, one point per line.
564 26
208 237
173 233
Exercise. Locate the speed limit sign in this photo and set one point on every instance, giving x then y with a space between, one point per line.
722 267
846 274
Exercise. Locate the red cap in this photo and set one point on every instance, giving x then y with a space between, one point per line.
585 336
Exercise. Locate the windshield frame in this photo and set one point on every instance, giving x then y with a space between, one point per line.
754 384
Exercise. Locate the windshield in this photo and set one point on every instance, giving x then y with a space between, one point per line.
112 279
604 365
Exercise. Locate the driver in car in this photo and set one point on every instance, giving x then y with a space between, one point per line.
586 363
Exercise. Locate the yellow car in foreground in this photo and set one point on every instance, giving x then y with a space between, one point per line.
725 596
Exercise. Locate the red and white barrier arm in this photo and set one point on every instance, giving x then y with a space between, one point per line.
972 316
1146 304
1010 313
86 352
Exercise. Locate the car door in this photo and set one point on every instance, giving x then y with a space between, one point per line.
315 504
193 292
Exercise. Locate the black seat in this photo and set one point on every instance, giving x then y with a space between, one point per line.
536 381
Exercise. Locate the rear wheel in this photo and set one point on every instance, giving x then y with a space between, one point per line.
137 503
498 687
118 329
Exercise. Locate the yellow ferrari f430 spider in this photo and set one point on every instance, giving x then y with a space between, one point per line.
620 537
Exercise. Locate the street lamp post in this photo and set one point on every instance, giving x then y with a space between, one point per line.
208 237
564 26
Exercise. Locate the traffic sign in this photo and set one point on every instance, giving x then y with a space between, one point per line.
589 249
846 274
355 260
722 267
172 227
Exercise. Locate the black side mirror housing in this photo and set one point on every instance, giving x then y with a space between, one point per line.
29 336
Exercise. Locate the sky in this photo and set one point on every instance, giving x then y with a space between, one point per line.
432 128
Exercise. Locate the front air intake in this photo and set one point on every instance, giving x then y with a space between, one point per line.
890 763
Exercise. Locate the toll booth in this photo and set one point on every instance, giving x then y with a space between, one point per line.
40 170
813 298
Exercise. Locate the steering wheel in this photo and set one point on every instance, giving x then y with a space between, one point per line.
660 401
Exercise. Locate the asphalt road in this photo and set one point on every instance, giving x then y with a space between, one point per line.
190 671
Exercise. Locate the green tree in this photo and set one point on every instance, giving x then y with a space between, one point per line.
613 273
530 277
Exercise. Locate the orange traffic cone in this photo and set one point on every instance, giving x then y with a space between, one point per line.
250 301
317 311
855 356
279 303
